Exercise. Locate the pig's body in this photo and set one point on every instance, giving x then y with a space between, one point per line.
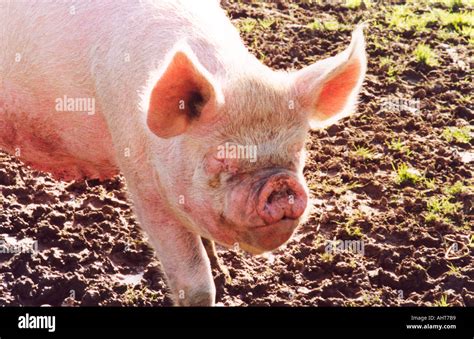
172 82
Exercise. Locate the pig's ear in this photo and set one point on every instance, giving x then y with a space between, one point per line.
182 92
328 89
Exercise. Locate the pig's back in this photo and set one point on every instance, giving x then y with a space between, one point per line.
46 53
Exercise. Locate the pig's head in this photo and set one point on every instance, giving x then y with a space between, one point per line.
231 148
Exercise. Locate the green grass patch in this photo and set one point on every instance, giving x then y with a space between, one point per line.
403 18
385 61
329 25
405 174
350 228
429 183
459 134
371 299
132 296
327 257
355 4
440 208
266 23
442 302
457 188
247 25
454 270
455 21
364 152
354 231
397 145
453 4
346 187
425 55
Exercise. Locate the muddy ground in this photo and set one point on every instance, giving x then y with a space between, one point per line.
416 229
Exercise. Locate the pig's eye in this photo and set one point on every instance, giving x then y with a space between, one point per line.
217 164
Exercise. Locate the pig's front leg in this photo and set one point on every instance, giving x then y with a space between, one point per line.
187 268
181 253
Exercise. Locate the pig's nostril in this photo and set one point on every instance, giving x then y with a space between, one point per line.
278 195
271 198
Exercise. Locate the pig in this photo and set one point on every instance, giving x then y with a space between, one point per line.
165 92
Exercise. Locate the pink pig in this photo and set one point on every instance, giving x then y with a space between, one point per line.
158 90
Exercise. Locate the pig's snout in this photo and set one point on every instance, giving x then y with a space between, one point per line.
265 209
281 197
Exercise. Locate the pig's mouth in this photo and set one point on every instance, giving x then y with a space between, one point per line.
263 226
267 237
